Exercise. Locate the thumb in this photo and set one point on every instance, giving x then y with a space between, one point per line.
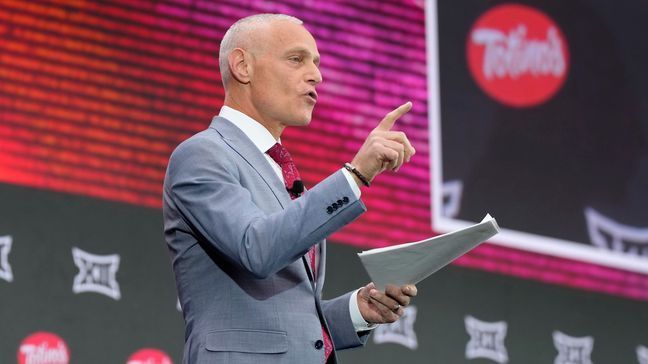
388 121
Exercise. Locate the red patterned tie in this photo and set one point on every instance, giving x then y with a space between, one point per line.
290 174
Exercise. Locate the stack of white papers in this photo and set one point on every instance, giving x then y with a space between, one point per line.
413 262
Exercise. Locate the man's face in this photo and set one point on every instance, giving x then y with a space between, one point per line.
285 73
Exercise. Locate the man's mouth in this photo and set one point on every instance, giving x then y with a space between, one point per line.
312 95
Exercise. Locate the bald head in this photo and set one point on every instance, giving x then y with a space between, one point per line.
244 34
270 69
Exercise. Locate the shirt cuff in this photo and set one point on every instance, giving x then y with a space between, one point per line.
352 183
359 322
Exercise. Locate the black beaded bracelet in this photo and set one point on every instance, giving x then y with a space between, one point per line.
349 167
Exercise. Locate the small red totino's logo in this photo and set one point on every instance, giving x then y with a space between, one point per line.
149 356
517 55
43 348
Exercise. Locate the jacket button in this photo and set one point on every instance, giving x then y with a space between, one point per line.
319 344
329 210
340 203
345 199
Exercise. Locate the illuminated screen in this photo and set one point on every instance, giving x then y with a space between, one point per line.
94 96
536 121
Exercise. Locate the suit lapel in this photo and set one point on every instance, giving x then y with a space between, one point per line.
321 267
242 145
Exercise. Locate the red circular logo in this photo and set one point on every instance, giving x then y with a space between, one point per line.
43 348
517 55
149 356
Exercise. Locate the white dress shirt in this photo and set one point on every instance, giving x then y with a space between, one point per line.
263 140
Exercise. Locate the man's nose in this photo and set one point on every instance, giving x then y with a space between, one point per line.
315 76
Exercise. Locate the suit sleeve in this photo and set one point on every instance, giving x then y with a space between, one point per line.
340 324
203 185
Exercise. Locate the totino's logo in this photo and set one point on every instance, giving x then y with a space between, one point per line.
43 348
517 55
149 356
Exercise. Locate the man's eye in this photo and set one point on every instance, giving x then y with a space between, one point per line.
295 59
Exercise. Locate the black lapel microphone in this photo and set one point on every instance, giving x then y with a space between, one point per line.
297 187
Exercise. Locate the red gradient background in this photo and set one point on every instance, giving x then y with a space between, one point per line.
94 96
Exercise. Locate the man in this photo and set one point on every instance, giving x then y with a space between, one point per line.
246 241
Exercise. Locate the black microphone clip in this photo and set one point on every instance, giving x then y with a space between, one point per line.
297 187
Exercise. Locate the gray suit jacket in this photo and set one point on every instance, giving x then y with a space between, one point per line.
237 242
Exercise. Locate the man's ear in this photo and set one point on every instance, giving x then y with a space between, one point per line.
239 65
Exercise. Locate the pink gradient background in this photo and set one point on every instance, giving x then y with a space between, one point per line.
94 96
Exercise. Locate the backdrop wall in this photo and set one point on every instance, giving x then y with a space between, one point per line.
95 95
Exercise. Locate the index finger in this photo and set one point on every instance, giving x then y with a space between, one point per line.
388 121
409 289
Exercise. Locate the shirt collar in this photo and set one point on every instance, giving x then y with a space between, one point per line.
257 133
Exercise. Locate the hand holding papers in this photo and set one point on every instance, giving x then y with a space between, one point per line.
413 262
